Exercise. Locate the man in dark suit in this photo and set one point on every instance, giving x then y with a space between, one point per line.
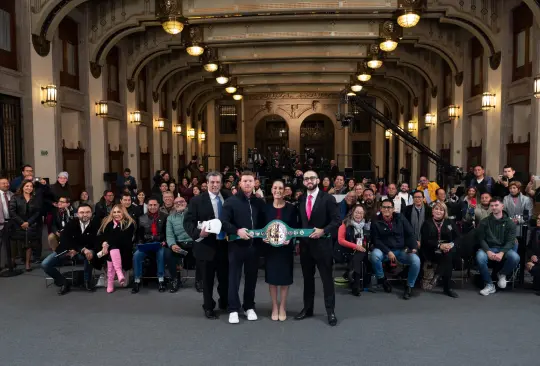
319 210
210 250
78 236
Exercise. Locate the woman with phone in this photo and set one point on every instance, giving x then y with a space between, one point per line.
438 237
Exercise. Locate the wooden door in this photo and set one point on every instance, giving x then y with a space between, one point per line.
73 163
518 156
145 174
166 163
10 136
474 156
228 153
116 165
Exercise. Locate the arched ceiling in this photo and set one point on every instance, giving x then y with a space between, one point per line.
280 46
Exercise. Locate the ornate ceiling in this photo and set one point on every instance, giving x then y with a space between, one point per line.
287 46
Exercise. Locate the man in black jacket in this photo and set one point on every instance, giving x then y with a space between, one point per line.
134 211
210 250
105 204
151 229
242 212
61 216
417 213
78 236
318 210
394 240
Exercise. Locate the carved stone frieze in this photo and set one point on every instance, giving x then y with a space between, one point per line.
130 83
495 60
459 78
95 69
307 95
41 45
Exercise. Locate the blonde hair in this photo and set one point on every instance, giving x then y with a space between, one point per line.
126 221
443 206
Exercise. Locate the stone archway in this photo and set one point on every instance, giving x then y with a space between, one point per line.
317 133
271 133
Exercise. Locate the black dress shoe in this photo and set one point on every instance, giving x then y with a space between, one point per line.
89 286
356 292
199 286
174 286
332 320
222 305
210 314
161 286
64 289
305 313
386 285
407 294
136 287
451 293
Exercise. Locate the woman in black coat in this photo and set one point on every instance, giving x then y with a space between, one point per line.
279 260
533 265
25 213
115 244
438 237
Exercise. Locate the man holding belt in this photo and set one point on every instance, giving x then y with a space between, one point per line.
319 210
210 250
242 212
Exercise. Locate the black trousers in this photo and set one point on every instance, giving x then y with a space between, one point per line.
356 264
317 253
245 256
219 266
535 272
445 265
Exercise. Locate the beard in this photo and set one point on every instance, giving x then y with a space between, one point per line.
369 202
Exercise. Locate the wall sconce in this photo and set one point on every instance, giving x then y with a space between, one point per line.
536 87
160 124
453 111
488 101
49 95
411 126
430 119
102 109
202 136
177 129
135 118
387 134
191 133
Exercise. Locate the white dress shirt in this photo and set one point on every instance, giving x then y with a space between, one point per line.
214 202
5 204
84 226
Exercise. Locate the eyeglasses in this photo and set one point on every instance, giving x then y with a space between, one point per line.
310 178
418 197
386 207
179 202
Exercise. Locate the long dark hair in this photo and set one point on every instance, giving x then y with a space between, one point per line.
25 182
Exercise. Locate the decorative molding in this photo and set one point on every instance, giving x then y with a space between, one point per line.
174 105
155 96
415 101
130 83
308 95
495 60
41 45
434 92
95 69
459 78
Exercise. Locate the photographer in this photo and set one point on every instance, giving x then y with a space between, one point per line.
501 188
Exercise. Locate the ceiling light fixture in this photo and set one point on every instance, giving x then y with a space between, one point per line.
172 25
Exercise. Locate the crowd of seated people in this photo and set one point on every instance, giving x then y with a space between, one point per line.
422 229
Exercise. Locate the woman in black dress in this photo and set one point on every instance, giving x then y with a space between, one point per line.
280 260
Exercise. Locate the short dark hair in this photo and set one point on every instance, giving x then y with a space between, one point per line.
439 189
153 198
26 166
84 205
105 192
387 200
340 175
489 194
127 170
418 191
126 194
480 165
247 172
496 199
507 166
368 190
64 197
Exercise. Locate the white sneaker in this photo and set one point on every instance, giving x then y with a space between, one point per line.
488 290
233 318
250 314
502 280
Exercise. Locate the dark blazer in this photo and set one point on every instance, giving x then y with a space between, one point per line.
407 212
73 238
399 237
20 212
201 209
118 239
324 215
430 237
58 219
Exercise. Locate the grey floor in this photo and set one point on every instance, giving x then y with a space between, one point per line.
38 327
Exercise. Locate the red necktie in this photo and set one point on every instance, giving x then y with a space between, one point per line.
309 206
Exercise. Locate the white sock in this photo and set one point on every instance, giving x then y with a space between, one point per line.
137 280
160 279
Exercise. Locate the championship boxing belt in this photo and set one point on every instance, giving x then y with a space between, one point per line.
276 232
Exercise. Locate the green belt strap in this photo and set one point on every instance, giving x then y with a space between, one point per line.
277 232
